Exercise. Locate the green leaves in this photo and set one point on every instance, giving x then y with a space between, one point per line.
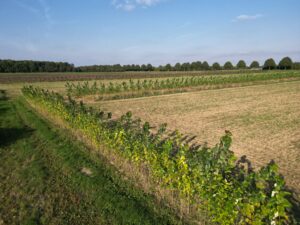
232 194
134 88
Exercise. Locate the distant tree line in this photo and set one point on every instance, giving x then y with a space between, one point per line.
29 66
12 66
285 63
115 68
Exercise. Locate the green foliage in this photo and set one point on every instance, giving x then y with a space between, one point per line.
269 64
196 66
186 66
27 66
285 64
231 191
168 67
177 67
86 88
216 66
254 64
228 66
241 64
205 66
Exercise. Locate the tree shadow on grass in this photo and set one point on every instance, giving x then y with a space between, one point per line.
295 199
3 95
3 106
3 109
10 135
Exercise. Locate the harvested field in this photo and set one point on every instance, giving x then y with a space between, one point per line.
264 120
77 76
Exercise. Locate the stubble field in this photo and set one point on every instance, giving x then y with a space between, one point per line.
264 120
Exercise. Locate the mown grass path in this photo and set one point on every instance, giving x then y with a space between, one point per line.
46 177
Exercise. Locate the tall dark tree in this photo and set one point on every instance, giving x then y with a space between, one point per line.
198 65
241 64
195 66
186 66
269 64
177 67
228 66
168 67
143 67
137 68
149 67
205 66
285 64
254 65
216 66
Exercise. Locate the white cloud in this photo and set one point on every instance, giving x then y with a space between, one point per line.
244 17
125 6
129 5
147 2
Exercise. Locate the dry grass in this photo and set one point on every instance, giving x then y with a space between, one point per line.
264 119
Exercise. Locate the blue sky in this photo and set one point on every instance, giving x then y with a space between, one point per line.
86 32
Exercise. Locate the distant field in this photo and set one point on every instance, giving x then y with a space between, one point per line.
77 76
264 120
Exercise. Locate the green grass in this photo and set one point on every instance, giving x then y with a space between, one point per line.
41 181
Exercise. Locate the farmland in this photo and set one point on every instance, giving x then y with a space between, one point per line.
260 110
193 172
71 76
147 87
13 82
155 112
264 120
217 79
